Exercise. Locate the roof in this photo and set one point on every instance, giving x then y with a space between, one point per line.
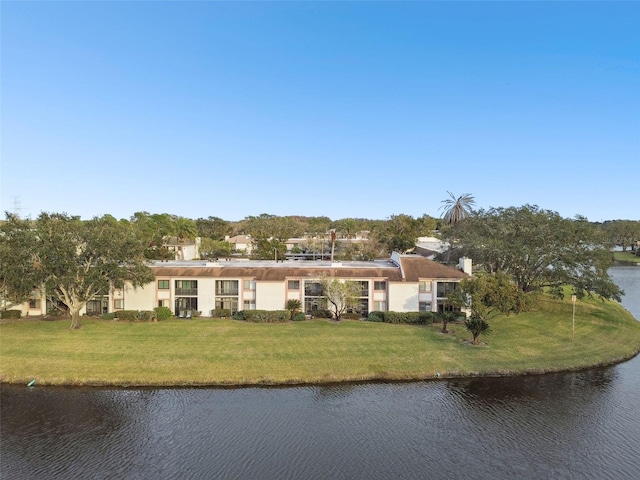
413 268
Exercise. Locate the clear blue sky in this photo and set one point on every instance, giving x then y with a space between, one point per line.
343 109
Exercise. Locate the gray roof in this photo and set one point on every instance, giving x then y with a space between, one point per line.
414 267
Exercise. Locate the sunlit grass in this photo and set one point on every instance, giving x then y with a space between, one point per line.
626 257
229 352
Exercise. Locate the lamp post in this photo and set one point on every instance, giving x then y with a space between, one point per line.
573 318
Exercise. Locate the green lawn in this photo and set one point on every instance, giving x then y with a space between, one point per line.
626 257
228 352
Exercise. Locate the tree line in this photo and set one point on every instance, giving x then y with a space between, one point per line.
516 249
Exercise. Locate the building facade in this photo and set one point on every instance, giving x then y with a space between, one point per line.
402 283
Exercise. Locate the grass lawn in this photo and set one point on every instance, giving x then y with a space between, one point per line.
629 257
229 352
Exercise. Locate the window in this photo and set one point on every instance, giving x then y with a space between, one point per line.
380 306
380 285
293 284
163 284
119 304
249 305
229 303
364 287
445 288
185 306
249 284
226 287
34 303
313 297
186 287
425 286
424 306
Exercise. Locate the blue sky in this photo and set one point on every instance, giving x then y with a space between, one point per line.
343 109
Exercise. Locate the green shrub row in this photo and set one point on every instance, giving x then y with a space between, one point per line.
263 316
351 316
220 313
11 314
133 315
412 318
321 314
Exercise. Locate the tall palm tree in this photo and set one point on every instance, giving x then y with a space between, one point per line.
456 209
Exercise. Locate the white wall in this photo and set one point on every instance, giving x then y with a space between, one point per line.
142 298
403 297
270 295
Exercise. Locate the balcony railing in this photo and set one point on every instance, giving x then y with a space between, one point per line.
186 291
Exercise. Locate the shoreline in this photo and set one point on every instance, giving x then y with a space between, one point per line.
373 380
217 353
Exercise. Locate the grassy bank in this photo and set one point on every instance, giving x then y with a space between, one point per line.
628 257
228 352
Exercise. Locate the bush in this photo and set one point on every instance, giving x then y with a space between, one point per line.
298 317
376 316
146 315
163 313
133 315
266 316
239 315
351 316
15 314
410 318
108 316
221 313
127 315
321 314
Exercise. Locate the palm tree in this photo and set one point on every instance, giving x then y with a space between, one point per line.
456 209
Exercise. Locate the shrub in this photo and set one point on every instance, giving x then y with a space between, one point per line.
321 314
293 306
11 314
351 316
298 317
146 315
127 315
376 316
266 316
133 315
163 313
239 315
108 316
221 313
411 318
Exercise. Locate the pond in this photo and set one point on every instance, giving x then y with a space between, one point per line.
569 425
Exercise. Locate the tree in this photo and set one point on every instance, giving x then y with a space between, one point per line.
293 306
446 317
340 296
73 260
456 209
16 260
487 296
214 228
476 326
538 248
398 234
215 249
622 233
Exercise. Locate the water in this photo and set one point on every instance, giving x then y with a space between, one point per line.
582 425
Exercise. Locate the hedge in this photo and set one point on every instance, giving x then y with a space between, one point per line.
144 315
221 313
411 318
11 314
263 316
